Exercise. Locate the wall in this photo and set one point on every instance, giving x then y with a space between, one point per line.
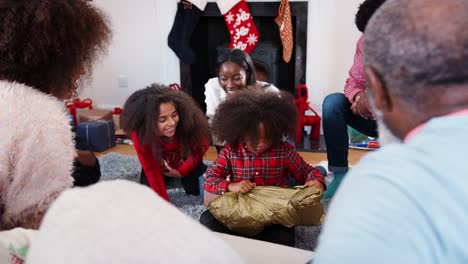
139 51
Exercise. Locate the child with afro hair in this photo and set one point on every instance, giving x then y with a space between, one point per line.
170 134
254 125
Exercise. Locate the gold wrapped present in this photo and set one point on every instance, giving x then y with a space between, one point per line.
249 213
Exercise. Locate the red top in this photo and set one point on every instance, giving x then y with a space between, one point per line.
170 153
356 81
269 168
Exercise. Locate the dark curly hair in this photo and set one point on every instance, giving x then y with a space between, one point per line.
141 110
46 44
238 117
240 58
365 11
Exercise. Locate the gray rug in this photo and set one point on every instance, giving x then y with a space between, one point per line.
117 166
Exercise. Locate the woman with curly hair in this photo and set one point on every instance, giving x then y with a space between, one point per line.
170 134
236 72
45 47
254 124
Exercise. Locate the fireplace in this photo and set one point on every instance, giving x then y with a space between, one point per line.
211 35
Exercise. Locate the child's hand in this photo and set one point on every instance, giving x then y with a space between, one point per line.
316 184
243 186
169 171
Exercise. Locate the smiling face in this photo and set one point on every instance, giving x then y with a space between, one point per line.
167 120
263 141
232 77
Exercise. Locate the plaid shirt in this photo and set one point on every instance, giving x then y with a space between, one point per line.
356 81
269 168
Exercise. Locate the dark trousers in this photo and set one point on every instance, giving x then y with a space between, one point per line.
337 115
277 234
189 182
84 175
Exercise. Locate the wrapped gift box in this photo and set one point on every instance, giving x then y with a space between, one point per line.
76 104
98 135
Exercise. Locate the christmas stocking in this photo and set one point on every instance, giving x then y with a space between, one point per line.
185 21
244 33
283 20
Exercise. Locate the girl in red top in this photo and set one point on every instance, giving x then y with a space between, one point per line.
170 133
254 125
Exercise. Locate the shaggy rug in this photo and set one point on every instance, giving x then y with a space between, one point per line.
117 166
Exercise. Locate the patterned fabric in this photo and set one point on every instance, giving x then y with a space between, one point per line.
272 168
14 245
356 81
244 33
283 20
16 260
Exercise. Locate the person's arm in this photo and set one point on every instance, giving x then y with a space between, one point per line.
361 106
215 177
356 81
193 160
300 169
372 219
86 158
151 167
269 87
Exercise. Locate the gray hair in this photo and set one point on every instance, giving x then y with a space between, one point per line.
419 47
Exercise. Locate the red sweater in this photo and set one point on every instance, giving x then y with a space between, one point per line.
152 165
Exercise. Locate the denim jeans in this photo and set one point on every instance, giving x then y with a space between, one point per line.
337 115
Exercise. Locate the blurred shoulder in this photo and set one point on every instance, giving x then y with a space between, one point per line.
267 87
25 104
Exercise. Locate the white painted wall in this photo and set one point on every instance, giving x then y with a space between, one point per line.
139 48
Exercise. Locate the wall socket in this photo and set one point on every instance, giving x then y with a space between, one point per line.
122 82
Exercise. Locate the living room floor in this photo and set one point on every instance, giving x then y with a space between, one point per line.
311 157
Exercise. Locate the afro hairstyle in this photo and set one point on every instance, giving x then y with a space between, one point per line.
365 11
238 117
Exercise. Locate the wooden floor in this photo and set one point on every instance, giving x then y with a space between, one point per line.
311 157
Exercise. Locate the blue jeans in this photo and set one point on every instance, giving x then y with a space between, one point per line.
337 115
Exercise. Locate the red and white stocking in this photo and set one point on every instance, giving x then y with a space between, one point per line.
239 21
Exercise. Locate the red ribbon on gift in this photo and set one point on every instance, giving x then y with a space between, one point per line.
117 111
78 104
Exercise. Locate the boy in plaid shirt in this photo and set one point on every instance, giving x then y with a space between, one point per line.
253 125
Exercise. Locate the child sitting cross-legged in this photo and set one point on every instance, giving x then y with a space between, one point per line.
254 125
170 134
